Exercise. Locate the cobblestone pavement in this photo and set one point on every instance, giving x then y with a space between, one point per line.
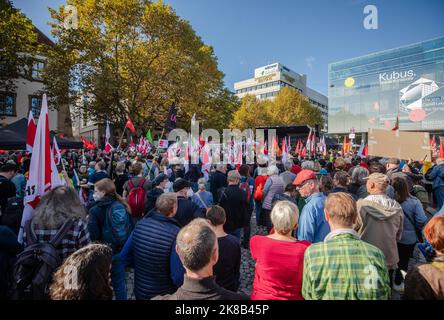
246 269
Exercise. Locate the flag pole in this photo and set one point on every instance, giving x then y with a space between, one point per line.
121 138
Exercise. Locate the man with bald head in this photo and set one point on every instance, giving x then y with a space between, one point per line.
198 251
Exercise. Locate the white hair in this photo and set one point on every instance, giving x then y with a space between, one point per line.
309 165
284 216
273 170
201 183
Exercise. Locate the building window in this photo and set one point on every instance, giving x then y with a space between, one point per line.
7 104
37 70
35 105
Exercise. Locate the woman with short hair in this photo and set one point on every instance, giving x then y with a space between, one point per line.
88 270
279 257
202 197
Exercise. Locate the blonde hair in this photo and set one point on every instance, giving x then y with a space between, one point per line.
166 203
341 208
284 216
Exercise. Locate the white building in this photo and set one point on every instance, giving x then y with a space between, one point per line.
15 105
270 79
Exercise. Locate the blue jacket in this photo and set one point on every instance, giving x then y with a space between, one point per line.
412 208
96 218
437 175
151 251
312 225
187 210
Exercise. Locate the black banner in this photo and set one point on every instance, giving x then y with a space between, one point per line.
171 120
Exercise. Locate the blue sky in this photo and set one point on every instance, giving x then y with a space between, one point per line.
304 35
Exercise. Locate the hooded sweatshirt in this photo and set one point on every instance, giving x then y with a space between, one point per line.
380 223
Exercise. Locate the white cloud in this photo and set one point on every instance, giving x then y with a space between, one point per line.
309 62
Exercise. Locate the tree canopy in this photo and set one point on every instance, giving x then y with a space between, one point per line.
18 40
289 107
136 58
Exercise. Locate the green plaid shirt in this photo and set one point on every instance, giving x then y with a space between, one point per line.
345 268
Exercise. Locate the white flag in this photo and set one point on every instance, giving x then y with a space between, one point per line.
40 170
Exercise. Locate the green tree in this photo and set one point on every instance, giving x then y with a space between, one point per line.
288 108
137 58
252 113
18 42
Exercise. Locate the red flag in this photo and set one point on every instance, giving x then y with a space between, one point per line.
108 147
344 146
130 125
30 133
131 142
365 152
396 127
92 145
304 152
85 143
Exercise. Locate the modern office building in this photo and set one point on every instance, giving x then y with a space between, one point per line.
372 91
270 79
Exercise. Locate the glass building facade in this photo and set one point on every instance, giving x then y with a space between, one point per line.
374 90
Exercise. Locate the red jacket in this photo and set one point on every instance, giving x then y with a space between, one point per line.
279 268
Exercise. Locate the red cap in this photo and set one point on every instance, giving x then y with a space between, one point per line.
303 176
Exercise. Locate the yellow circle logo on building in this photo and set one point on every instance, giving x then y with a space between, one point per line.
349 82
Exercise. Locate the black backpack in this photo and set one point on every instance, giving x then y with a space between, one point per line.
12 215
37 263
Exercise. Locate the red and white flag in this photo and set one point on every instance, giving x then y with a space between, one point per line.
56 152
42 165
30 133
308 144
108 146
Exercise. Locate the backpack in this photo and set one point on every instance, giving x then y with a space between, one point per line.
136 198
246 187
117 226
12 215
37 263
421 193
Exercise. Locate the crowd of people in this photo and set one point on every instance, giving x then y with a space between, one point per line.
336 228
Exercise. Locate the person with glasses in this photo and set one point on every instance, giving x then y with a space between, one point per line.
312 225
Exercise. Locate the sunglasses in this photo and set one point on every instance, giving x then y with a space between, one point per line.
303 185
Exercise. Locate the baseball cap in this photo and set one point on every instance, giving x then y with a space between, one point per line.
303 176
393 161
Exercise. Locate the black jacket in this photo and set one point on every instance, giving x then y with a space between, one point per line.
217 180
187 210
234 201
202 289
151 198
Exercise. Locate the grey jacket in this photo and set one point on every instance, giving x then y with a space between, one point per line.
380 223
